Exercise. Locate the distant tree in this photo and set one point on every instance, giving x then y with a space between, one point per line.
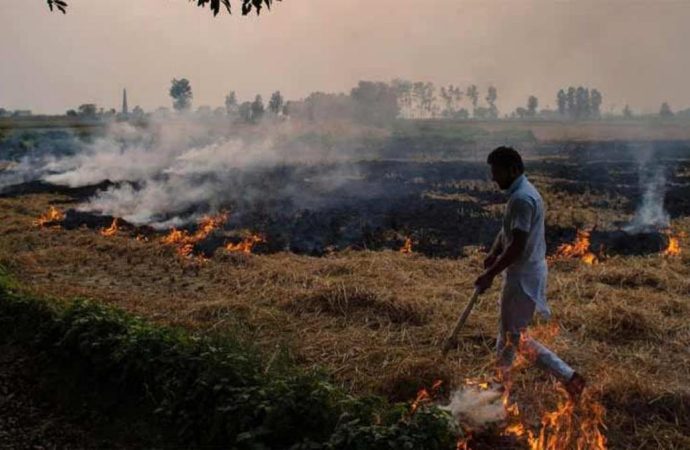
491 97
162 111
377 102
429 99
627 112
562 101
204 110
581 102
520 112
275 104
215 5
138 111
87 110
220 111
595 100
231 102
424 98
257 108
532 105
462 113
473 93
319 106
71 113
403 91
481 112
245 111
447 99
4 112
181 93
451 97
286 110
665 110
570 101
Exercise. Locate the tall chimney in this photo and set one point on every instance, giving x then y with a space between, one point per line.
125 110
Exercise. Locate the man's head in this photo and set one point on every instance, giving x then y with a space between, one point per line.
506 165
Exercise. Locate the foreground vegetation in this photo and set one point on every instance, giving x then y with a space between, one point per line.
212 391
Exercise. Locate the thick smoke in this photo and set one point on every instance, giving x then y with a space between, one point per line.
476 407
650 213
172 171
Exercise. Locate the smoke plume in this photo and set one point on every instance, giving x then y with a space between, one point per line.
476 407
650 213
172 171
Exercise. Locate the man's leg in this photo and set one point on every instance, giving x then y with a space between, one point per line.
514 319
545 359
517 310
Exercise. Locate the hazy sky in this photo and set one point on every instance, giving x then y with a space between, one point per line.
635 52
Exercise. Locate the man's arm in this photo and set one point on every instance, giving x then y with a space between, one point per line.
509 256
495 250
519 212
511 253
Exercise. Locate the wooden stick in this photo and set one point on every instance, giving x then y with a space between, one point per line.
450 340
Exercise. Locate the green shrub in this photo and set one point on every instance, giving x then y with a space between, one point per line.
212 392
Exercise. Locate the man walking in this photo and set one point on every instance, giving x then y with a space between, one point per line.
519 251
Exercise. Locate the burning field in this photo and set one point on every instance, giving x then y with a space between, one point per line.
345 259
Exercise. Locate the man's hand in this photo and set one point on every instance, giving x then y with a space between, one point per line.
490 260
484 281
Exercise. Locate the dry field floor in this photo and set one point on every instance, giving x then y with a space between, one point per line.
375 320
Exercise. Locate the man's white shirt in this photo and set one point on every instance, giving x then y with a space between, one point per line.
527 276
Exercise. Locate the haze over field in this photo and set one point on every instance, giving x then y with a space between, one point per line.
635 52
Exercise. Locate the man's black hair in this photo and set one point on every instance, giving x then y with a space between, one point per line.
506 157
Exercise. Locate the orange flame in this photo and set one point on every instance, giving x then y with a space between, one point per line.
570 425
185 242
578 249
673 248
52 215
559 428
112 230
425 396
407 246
246 245
175 237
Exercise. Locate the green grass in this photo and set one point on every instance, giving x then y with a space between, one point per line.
212 391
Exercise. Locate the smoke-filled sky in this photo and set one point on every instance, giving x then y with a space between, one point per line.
634 51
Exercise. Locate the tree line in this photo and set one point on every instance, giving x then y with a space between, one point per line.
379 103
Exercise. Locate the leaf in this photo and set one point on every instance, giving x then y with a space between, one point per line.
61 5
214 5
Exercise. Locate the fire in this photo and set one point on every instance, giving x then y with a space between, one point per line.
185 242
569 425
246 245
52 215
209 223
673 248
112 230
578 249
175 237
425 396
407 246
